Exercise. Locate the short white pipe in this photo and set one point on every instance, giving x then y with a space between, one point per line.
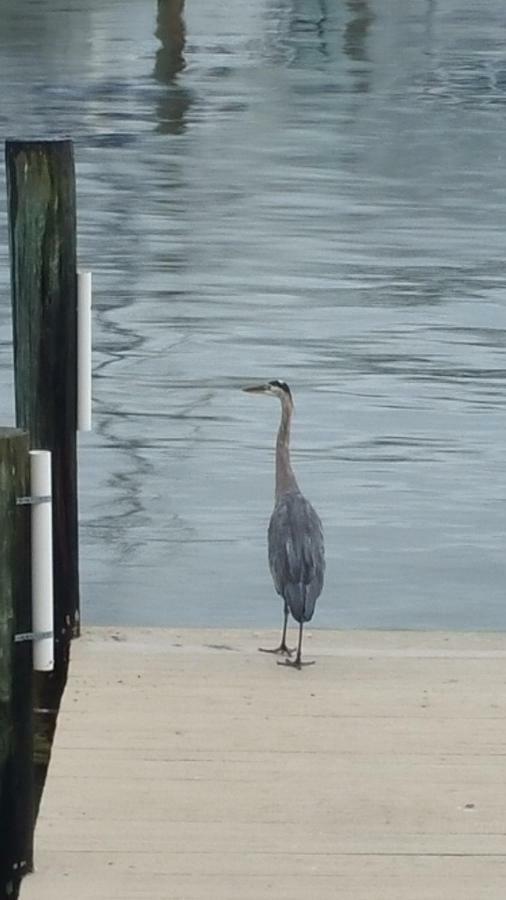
42 559
84 351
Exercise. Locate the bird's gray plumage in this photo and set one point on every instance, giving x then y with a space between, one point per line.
295 537
296 554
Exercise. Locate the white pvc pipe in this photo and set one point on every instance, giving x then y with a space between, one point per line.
42 559
84 351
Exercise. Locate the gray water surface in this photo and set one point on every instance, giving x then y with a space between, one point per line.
312 191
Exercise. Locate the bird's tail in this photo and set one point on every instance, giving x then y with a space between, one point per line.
300 601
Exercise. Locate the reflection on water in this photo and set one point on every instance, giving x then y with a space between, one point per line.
170 31
295 189
169 61
357 28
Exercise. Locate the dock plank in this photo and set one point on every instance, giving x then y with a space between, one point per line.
188 766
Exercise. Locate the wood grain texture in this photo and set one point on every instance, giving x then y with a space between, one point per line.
42 237
188 765
42 233
16 737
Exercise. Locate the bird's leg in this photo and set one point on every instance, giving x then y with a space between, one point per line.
282 647
297 662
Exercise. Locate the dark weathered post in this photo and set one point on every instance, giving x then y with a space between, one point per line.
16 700
42 233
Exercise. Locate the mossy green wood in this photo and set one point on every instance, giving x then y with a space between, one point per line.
42 231
16 696
42 235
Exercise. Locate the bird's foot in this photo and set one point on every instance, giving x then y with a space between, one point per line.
296 663
281 649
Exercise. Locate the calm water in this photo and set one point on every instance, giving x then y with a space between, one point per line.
313 191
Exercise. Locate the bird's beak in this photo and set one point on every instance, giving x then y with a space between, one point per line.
257 389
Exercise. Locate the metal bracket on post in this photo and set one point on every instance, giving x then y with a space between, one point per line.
32 636
32 501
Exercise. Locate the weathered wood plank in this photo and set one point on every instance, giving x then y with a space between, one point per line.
206 771
42 231
16 747
42 234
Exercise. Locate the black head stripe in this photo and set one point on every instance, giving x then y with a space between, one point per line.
281 384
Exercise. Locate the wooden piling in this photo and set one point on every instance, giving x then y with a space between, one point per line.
42 236
16 699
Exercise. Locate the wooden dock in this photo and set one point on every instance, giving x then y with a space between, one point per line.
187 766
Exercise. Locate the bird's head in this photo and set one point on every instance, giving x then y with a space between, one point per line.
273 388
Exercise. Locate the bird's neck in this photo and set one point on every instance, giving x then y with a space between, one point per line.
285 478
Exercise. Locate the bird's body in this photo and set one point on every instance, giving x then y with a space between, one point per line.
295 536
296 555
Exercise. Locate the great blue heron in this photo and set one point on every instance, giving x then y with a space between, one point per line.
295 536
